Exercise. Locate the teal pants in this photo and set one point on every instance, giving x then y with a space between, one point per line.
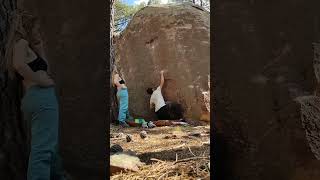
123 99
41 111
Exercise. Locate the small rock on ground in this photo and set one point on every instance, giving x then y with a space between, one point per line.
116 148
143 134
129 138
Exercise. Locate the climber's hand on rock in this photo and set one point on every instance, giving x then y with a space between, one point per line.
163 71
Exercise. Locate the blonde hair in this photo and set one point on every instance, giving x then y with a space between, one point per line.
28 23
21 23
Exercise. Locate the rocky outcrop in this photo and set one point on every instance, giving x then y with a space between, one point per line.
263 63
310 115
171 37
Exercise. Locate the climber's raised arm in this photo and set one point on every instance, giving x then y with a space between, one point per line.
161 79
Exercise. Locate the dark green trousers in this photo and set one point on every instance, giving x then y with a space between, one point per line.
41 111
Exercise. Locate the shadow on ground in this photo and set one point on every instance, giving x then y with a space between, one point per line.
171 155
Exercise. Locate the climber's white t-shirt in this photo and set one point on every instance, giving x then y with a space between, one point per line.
157 99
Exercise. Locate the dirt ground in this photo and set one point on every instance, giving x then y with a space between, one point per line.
171 152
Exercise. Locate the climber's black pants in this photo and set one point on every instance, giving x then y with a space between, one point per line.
171 111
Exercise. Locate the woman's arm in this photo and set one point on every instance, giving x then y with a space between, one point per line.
116 80
39 49
162 79
23 69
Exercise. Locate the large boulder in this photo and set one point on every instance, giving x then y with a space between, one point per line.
263 89
172 37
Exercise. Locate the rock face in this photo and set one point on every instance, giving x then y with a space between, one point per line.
73 32
310 114
263 62
171 37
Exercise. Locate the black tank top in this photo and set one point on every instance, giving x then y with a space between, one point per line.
36 65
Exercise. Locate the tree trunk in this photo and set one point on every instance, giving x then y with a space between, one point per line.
13 141
113 99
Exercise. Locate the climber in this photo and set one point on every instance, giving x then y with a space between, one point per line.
171 112
123 99
25 58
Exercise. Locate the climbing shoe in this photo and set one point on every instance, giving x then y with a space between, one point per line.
151 124
144 125
123 124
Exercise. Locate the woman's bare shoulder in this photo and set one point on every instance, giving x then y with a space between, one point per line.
116 77
21 43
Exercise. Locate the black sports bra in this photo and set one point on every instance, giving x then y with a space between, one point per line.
37 65
121 81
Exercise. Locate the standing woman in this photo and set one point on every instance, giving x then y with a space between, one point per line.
25 56
123 99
